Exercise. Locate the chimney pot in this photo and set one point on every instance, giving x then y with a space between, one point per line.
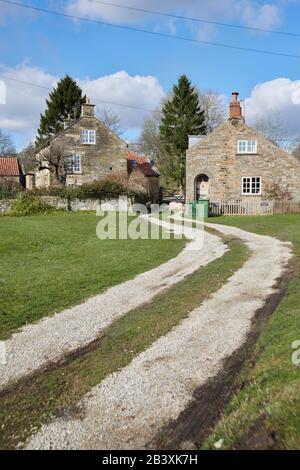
87 109
235 110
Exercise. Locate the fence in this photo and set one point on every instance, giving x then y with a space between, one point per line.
254 207
281 207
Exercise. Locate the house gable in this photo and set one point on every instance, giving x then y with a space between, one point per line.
101 158
217 157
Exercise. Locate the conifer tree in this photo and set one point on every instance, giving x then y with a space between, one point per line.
65 99
181 117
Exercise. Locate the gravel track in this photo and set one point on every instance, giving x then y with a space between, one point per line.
49 340
129 407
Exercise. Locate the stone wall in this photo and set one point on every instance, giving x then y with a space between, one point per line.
82 204
71 204
217 157
5 205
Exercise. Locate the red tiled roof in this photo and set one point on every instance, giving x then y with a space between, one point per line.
142 164
9 166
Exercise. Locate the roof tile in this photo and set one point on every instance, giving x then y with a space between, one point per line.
9 166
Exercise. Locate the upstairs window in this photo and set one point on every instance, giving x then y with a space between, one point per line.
88 136
74 164
247 146
251 185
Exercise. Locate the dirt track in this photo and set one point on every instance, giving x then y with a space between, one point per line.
129 408
47 342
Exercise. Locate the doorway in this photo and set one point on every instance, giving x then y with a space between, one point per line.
202 187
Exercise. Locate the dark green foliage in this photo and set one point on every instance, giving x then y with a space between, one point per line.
26 204
9 189
65 99
182 116
110 187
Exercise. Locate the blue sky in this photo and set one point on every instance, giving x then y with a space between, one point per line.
136 69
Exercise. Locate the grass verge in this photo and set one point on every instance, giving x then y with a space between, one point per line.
265 413
50 262
53 393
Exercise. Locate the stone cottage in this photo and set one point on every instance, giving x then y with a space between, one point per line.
89 151
237 163
10 170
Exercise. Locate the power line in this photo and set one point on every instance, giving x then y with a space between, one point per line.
4 77
153 33
196 20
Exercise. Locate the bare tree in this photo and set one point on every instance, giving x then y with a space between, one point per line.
150 142
213 107
6 146
110 119
53 158
273 129
27 157
296 150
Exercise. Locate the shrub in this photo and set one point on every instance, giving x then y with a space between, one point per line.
28 204
106 188
9 189
109 187
277 192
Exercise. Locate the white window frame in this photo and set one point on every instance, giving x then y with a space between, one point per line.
86 136
72 165
250 146
251 182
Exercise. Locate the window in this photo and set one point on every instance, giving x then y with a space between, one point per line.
88 136
251 185
247 146
74 164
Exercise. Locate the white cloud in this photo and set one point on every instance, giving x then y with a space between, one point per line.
250 13
279 97
260 16
16 13
24 103
136 91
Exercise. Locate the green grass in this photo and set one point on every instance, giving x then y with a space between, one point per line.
56 392
51 262
270 382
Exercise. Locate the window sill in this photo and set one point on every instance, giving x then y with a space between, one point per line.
247 153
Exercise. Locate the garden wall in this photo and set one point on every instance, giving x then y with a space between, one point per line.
5 205
70 204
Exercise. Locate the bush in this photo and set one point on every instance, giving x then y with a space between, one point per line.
28 204
109 187
106 188
9 189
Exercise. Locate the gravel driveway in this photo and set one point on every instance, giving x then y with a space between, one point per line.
47 341
129 407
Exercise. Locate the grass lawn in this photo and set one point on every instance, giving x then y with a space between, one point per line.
39 399
51 262
267 407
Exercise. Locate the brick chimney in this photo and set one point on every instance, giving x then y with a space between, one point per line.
88 109
235 110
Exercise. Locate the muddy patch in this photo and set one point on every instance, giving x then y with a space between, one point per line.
260 437
198 420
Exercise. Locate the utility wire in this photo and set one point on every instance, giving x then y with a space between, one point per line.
196 20
4 77
146 31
